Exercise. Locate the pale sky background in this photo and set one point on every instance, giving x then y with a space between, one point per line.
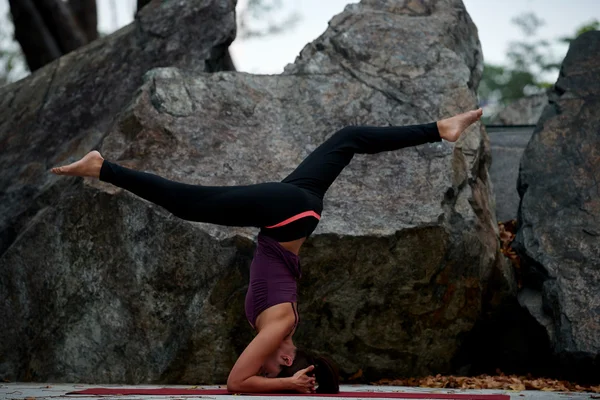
493 19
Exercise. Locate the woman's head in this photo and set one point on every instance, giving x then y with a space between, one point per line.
325 371
282 357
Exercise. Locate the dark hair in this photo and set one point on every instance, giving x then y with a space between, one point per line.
326 372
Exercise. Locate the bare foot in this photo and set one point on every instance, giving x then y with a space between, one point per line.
451 128
89 165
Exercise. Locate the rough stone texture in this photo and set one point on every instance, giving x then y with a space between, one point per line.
525 111
65 108
508 145
394 276
559 215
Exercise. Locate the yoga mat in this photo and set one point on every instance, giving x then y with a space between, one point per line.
214 392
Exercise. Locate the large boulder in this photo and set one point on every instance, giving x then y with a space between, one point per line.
100 286
525 111
559 215
65 108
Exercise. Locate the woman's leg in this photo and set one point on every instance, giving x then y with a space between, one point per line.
257 205
320 168
267 204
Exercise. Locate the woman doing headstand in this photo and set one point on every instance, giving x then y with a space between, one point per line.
286 212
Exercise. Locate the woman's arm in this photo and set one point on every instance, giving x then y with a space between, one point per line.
300 382
243 376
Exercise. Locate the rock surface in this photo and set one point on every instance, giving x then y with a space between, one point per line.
392 278
508 145
64 109
525 111
559 215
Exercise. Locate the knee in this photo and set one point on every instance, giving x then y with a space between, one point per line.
347 133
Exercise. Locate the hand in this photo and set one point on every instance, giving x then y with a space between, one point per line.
303 383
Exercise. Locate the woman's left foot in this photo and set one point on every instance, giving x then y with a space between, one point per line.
451 128
89 165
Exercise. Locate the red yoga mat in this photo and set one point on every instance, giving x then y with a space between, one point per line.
214 392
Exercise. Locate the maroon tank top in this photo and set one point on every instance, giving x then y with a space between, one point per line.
273 275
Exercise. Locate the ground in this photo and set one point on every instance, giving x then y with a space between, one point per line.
48 391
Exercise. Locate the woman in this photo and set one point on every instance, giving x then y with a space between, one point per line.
287 213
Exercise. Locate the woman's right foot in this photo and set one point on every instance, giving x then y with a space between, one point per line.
451 128
89 165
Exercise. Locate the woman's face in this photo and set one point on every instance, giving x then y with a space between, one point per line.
272 365
271 368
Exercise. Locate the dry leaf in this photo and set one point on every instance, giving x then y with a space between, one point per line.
518 387
357 375
500 381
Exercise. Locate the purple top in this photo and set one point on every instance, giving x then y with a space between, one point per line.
273 275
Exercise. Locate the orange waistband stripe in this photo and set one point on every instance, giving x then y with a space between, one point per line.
295 218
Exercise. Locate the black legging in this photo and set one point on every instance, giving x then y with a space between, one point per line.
270 206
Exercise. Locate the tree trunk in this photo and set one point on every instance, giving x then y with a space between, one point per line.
86 14
45 29
142 3
38 45
48 29
61 23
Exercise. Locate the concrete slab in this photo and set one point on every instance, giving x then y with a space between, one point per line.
50 391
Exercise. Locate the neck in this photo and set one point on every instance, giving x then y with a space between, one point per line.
287 344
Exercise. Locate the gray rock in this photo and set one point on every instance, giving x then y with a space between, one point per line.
508 145
64 109
525 111
532 301
393 276
559 215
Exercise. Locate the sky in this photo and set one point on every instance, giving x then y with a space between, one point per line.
269 55
492 18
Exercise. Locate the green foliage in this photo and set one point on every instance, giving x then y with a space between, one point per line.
590 26
529 23
263 17
504 85
529 64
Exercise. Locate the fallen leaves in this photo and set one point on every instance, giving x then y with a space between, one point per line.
357 374
507 232
502 382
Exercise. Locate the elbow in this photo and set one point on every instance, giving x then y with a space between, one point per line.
233 385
